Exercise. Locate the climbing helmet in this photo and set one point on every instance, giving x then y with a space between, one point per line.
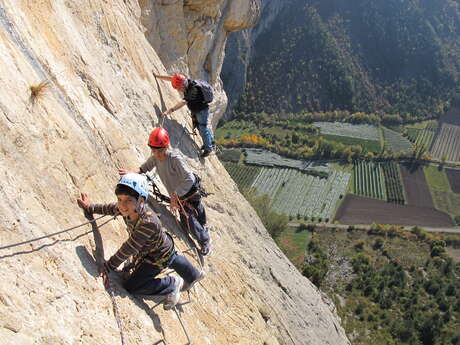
136 182
177 81
159 138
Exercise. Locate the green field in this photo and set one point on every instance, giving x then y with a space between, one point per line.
444 199
293 192
422 134
294 243
242 174
367 145
369 180
395 141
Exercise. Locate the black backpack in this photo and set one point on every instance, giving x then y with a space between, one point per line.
206 89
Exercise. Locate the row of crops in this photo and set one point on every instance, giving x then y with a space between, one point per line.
422 137
269 159
242 174
393 183
396 142
379 180
311 197
293 192
367 132
447 143
297 194
369 180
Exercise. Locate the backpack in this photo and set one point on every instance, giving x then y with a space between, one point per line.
206 90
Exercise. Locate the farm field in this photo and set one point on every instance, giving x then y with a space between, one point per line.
367 145
447 143
293 192
416 187
294 243
422 137
453 175
366 132
369 180
297 194
393 183
395 141
360 210
242 174
269 159
233 155
443 197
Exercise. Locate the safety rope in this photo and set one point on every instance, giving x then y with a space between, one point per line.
99 253
49 235
183 326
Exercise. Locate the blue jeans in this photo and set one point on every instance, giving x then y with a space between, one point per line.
196 220
203 117
143 282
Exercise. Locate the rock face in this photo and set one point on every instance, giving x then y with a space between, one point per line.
94 106
190 36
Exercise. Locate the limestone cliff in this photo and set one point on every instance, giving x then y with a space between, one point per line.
93 115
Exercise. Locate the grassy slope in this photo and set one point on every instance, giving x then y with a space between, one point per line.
443 197
294 243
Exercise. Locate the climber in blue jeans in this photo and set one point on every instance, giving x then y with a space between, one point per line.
197 96
149 245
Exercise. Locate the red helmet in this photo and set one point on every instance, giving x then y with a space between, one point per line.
177 81
159 138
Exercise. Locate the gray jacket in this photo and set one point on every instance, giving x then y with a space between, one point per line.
174 172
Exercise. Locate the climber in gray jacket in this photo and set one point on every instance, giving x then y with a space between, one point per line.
182 185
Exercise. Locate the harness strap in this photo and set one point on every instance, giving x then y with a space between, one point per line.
160 263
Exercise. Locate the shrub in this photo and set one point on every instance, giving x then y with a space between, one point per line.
457 219
378 244
437 251
359 245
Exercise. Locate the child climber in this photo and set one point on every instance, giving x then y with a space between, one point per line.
182 185
197 95
151 247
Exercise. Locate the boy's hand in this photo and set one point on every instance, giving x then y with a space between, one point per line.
175 203
83 202
128 171
166 112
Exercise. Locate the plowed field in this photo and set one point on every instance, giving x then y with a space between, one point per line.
453 175
416 188
360 210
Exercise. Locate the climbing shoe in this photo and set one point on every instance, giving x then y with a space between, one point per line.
189 286
206 249
205 153
172 298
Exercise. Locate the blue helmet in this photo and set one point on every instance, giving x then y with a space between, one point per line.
136 182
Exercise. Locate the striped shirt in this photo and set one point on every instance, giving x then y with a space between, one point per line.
146 236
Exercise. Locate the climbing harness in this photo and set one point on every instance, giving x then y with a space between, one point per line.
160 263
50 235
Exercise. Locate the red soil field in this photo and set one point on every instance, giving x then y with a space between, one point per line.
453 175
360 210
415 186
